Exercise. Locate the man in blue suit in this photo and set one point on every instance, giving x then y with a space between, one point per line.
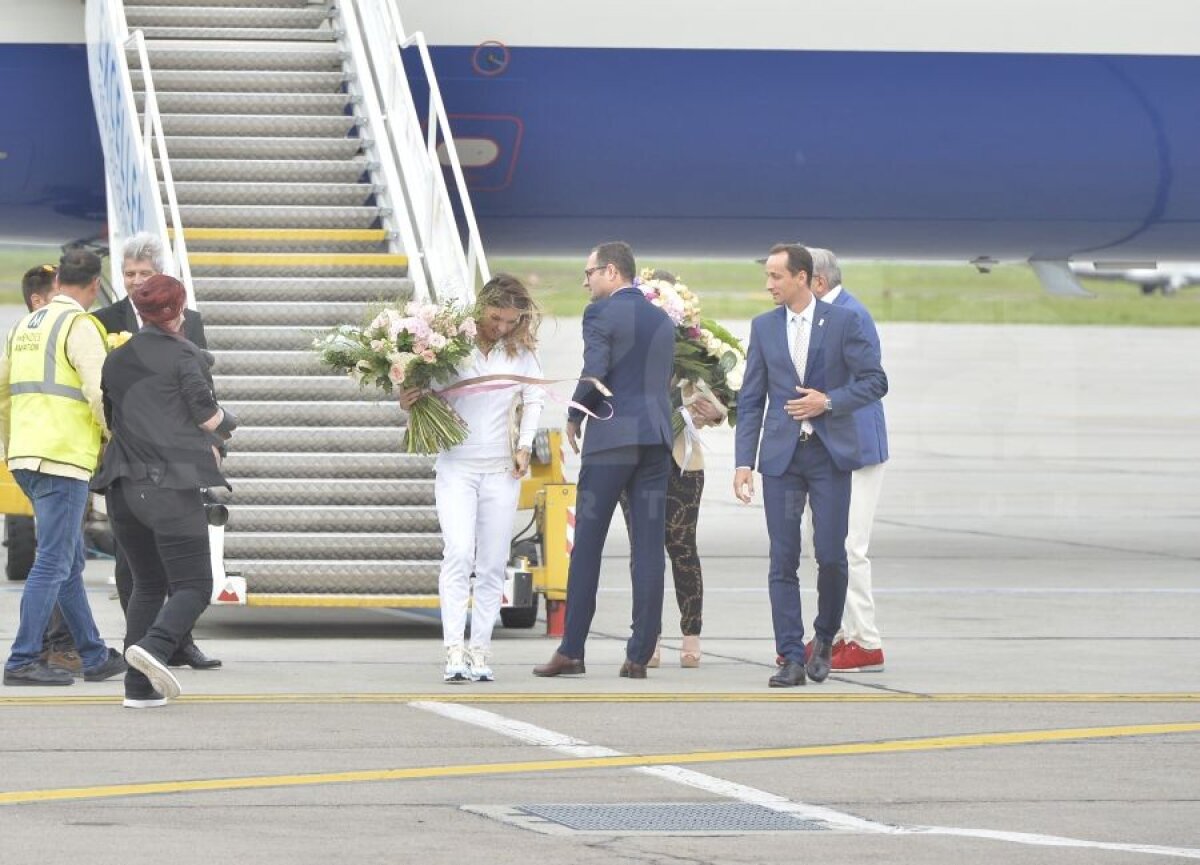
629 345
809 367
858 647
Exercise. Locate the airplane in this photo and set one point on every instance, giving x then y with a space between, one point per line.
1026 130
1149 277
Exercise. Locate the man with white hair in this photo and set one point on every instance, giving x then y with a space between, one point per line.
858 647
143 257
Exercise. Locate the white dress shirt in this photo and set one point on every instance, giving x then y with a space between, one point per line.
796 321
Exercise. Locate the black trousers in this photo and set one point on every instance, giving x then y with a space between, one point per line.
164 534
683 510
124 577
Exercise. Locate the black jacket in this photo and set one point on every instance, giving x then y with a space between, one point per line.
157 390
120 316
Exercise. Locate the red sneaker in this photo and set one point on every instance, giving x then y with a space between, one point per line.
853 658
837 647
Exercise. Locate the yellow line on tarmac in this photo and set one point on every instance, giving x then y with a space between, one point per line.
500 697
301 600
935 743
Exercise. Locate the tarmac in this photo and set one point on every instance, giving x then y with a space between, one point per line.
1035 558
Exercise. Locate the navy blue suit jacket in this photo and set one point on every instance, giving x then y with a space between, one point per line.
872 426
629 344
843 363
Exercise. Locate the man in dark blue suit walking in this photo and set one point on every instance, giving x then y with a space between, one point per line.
629 345
809 366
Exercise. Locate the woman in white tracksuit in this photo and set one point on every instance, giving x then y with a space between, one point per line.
479 481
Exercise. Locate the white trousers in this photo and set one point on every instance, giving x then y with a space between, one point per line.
858 617
476 513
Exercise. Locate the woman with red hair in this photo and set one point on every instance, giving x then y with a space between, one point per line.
166 429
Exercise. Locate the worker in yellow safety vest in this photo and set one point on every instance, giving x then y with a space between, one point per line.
51 426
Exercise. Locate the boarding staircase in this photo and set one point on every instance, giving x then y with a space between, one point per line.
290 211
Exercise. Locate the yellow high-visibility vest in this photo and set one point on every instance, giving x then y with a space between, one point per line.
51 418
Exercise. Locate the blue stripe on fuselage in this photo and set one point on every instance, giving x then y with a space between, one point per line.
52 174
906 154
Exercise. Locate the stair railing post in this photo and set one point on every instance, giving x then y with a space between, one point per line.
154 127
381 145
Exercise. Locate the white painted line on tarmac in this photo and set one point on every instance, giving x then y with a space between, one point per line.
565 744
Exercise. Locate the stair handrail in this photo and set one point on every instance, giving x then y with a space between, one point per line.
454 269
153 129
379 146
134 201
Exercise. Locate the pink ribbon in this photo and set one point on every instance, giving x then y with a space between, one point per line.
501 381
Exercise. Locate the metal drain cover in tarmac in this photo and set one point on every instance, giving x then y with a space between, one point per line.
650 818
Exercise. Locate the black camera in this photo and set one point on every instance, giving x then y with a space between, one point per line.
215 512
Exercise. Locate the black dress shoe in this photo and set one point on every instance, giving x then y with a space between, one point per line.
560 665
790 675
633 670
819 660
191 656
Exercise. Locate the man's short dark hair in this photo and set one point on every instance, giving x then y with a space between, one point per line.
37 280
798 258
619 254
78 267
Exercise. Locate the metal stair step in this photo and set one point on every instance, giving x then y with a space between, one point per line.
216 147
199 14
131 4
250 56
335 578
329 244
300 264
248 288
346 518
305 314
312 388
324 465
269 216
269 170
332 491
332 437
330 545
259 126
268 363
304 194
293 104
253 414
261 338
233 34
227 81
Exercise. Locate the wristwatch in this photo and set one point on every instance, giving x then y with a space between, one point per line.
828 405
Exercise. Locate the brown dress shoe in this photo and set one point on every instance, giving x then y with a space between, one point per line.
560 665
633 670
65 659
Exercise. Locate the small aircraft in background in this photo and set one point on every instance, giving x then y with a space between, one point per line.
1149 276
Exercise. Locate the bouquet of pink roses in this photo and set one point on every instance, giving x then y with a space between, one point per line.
416 346
709 361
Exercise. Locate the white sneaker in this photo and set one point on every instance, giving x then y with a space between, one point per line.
456 666
161 679
477 660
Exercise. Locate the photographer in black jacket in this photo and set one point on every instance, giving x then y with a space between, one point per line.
166 430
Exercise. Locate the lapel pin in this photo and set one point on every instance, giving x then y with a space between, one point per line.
821 323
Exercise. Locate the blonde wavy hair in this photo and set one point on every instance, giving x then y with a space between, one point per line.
505 291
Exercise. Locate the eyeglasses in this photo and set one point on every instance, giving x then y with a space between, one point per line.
588 271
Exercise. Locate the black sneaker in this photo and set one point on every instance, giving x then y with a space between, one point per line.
112 665
37 673
148 700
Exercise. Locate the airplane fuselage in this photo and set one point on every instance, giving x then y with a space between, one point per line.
881 132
